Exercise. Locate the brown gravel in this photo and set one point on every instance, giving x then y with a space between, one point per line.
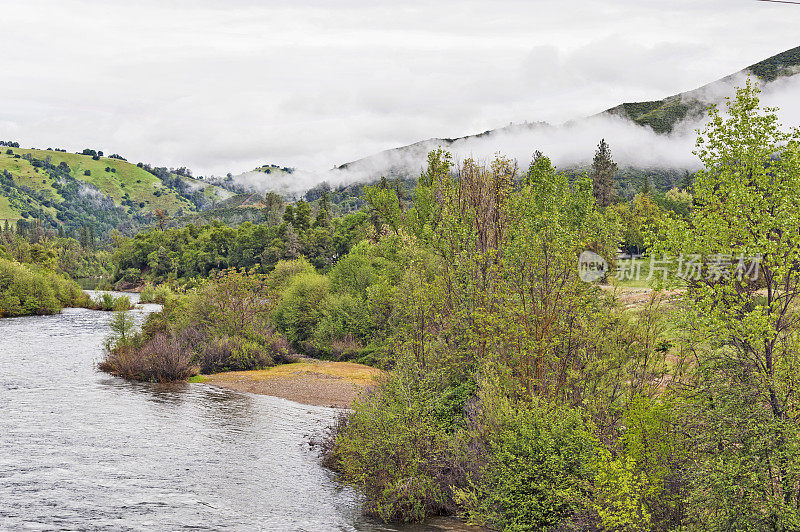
311 382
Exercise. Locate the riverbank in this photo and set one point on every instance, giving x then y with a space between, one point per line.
311 382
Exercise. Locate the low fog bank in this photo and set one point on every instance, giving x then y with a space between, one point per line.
569 145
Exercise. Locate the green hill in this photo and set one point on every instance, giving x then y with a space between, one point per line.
663 115
274 169
235 210
405 162
69 190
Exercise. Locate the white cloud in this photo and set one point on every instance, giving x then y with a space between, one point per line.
568 145
228 86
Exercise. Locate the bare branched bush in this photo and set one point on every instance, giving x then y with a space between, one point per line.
162 359
345 348
169 359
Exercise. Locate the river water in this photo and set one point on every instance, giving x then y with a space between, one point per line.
81 450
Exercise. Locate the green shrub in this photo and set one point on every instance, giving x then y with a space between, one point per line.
354 273
109 302
234 353
631 488
163 358
393 448
344 319
159 294
67 292
300 308
538 471
285 271
222 325
106 302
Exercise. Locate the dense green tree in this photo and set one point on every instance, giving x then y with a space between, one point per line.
538 473
640 217
300 309
494 289
742 321
384 207
423 215
302 216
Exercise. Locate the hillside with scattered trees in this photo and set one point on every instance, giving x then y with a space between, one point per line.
67 191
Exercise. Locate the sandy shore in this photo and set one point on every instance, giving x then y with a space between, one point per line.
311 382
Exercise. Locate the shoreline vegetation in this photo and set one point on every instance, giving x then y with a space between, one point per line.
223 325
29 290
524 399
505 389
38 267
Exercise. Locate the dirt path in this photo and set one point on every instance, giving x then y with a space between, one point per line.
311 382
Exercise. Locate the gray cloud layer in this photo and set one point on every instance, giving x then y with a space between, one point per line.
228 86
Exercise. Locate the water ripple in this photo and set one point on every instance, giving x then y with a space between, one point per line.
80 450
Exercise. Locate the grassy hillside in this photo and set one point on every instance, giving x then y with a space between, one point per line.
117 179
106 193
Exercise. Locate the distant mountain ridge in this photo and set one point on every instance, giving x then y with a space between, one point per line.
662 116
71 190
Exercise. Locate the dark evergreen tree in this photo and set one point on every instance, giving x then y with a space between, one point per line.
604 169
687 183
84 236
323 218
288 215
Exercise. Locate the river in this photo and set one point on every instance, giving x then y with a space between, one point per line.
81 450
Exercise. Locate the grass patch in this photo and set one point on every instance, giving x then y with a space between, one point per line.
347 371
7 212
641 273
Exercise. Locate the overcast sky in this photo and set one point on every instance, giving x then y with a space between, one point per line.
230 84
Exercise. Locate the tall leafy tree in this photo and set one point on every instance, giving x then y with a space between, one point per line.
424 216
384 206
744 399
